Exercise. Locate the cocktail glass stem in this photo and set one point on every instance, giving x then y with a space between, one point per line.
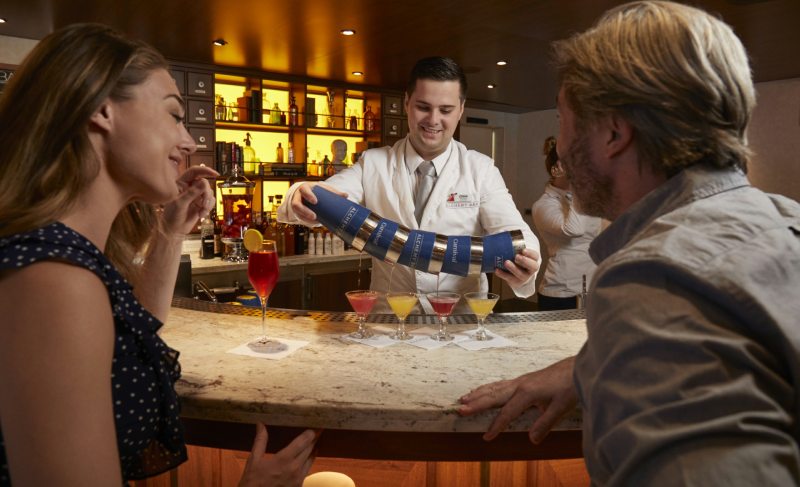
481 333
263 319
362 331
400 333
442 335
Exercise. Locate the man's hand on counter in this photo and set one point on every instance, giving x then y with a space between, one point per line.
549 390
304 193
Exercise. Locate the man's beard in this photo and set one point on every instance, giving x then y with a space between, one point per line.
593 191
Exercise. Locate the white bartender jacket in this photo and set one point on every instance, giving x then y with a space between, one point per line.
469 198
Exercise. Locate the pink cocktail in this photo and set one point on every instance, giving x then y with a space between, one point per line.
362 303
443 304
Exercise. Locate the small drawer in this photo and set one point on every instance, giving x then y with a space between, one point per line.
200 85
202 158
200 112
392 127
392 105
203 137
179 76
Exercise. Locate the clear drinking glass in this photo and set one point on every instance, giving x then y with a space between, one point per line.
443 304
362 303
481 304
262 271
401 304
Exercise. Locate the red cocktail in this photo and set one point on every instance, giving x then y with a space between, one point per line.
443 304
362 303
262 271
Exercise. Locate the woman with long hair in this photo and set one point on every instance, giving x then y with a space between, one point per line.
93 210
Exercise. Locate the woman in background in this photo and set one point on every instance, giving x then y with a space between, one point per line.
92 142
566 234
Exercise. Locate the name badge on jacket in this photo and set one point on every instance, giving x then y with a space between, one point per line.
458 200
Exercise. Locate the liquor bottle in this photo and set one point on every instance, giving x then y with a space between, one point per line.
290 155
338 246
275 115
328 167
369 120
249 156
319 243
581 298
312 242
220 110
328 243
206 238
288 237
279 153
353 120
300 239
293 118
270 229
217 234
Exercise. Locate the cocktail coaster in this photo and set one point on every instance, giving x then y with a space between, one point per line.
429 343
496 342
377 340
251 350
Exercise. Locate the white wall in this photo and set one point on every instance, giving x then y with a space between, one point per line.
14 49
774 135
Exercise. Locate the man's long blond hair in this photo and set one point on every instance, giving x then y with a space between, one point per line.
677 74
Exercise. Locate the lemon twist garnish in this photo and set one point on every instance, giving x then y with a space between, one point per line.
253 240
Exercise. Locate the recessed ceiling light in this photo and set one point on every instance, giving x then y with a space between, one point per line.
502 63
220 42
2 20
358 73
491 86
348 32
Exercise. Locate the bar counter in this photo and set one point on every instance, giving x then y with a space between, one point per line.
394 403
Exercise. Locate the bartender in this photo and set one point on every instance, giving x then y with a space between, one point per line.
431 182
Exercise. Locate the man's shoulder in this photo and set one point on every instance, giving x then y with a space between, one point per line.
731 238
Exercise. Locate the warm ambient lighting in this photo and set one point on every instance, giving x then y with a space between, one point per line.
220 42
502 63
491 86
348 32
358 73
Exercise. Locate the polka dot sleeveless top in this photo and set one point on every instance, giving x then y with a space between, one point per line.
144 369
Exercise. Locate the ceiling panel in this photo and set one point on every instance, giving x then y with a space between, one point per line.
301 37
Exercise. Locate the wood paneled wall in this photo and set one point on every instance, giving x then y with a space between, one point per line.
210 467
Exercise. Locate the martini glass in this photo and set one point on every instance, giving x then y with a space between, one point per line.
262 272
401 304
362 303
481 304
443 304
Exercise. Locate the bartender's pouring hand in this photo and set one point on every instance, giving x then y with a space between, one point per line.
304 193
522 270
549 390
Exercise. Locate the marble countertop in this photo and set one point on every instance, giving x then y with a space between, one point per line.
331 383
